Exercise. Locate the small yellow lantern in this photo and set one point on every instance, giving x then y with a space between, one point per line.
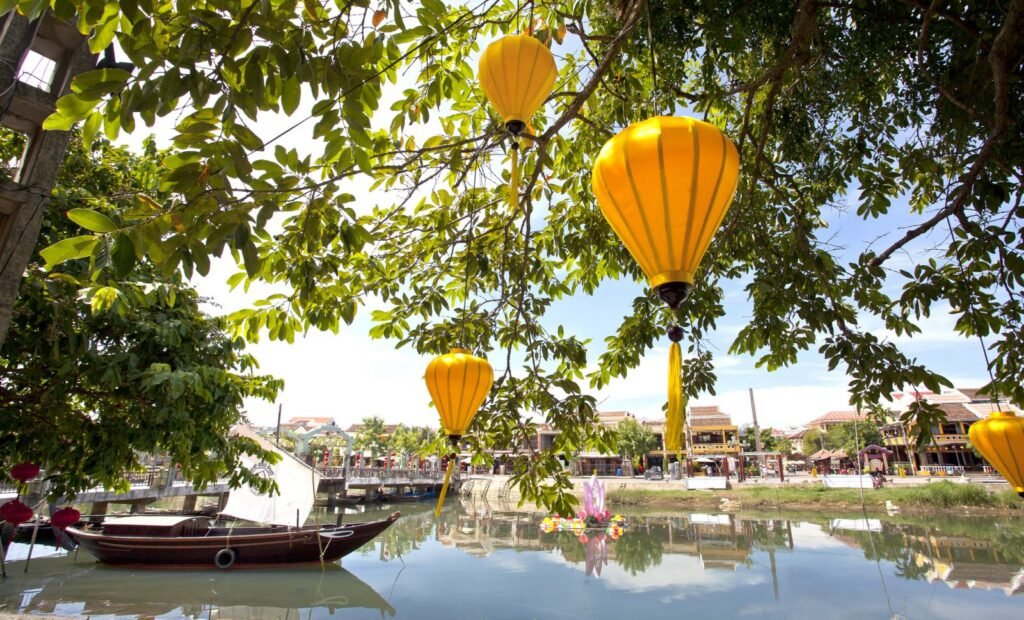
665 185
458 382
1000 439
517 73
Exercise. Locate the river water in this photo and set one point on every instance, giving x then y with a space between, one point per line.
483 560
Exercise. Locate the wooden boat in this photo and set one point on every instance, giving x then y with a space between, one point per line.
193 542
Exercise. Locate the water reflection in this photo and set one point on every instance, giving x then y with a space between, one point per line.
501 561
59 585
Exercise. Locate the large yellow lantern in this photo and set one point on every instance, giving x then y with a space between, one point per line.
665 185
1000 439
458 382
517 73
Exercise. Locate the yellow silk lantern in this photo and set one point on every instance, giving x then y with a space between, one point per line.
1000 439
517 73
665 185
458 383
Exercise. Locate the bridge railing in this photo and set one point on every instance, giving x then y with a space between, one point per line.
381 473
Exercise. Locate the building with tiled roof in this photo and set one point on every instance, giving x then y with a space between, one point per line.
712 432
947 451
835 418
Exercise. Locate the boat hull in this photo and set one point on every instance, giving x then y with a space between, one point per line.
243 548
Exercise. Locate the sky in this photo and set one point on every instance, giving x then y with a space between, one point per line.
348 376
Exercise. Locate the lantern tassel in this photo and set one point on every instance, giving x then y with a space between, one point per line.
676 403
513 183
444 488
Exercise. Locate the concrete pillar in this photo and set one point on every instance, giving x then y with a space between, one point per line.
23 203
190 503
99 510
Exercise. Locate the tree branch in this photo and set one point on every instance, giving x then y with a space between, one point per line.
1002 58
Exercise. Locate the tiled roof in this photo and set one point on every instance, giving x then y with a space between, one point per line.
837 416
315 420
710 420
708 416
957 412
797 434
911 395
706 410
610 418
971 393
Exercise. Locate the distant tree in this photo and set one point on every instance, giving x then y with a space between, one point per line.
813 441
851 438
372 437
634 439
778 444
768 442
409 440
333 443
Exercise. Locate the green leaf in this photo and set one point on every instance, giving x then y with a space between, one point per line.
94 84
290 95
69 249
123 255
92 220
91 127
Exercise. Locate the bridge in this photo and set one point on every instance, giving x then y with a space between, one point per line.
161 483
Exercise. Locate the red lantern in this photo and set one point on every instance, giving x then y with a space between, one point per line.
15 512
23 472
64 517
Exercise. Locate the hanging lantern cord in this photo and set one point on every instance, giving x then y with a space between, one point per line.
515 128
654 67
454 440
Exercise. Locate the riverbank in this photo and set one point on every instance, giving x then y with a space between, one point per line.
955 499
915 496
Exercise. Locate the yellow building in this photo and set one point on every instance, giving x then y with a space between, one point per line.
712 432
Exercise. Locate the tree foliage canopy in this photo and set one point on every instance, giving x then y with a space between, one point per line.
634 439
904 114
94 374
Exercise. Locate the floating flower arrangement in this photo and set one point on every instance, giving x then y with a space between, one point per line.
612 525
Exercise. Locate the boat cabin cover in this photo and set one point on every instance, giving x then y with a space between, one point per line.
156 525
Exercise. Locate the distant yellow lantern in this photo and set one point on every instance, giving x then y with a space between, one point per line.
517 73
1000 439
458 382
665 185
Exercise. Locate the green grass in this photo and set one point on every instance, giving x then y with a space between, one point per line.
942 494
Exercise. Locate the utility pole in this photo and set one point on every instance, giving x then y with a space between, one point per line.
277 435
757 431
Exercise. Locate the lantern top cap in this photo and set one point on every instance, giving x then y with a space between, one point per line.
456 350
